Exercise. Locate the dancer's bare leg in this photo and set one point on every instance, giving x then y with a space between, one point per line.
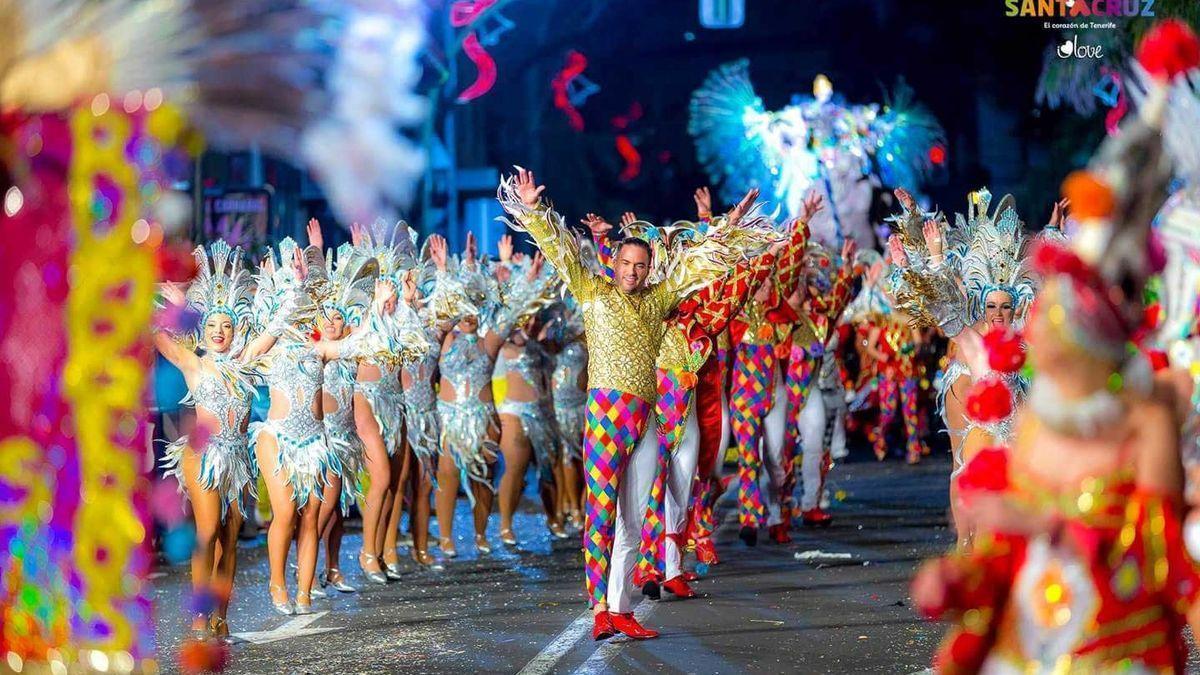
447 495
306 550
379 467
394 504
484 495
956 424
225 567
572 490
206 510
422 486
515 447
283 515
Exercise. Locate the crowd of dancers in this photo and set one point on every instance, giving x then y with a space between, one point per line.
628 366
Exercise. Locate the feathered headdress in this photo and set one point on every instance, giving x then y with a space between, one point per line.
871 302
529 297
989 253
351 284
222 286
1178 222
282 302
1179 299
394 247
685 250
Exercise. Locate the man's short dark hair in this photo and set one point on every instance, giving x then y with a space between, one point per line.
634 241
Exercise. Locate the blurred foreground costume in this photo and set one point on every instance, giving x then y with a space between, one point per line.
95 99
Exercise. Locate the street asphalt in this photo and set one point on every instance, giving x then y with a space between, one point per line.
835 600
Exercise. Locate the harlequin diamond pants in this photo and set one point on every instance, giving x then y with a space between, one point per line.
751 397
670 412
898 395
713 419
798 379
618 464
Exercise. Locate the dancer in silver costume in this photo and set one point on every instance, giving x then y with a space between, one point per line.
344 301
378 414
980 268
570 400
214 474
470 429
436 298
291 446
527 424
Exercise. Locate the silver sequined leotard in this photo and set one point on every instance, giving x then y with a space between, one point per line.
296 372
467 421
225 462
422 428
536 416
387 401
569 399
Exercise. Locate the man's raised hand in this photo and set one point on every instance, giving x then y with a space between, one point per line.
596 225
528 191
438 251
703 203
740 209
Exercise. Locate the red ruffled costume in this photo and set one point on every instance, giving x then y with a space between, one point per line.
1108 593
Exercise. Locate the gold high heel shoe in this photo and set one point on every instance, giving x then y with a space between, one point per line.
219 628
447 547
422 558
557 531
507 537
482 544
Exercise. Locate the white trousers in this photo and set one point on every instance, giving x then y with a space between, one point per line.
680 472
771 478
835 413
633 494
814 424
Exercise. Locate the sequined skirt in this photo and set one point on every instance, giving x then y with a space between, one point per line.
226 467
466 430
388 410
569 416
540 429
348 448
305 459
423 430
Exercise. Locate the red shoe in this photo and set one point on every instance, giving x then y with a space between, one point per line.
603 627
706 552
625 623
779 534
691 577
816 517
678 587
